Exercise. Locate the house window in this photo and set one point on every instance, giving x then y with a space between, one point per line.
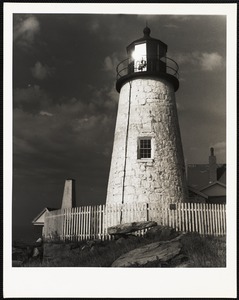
145 148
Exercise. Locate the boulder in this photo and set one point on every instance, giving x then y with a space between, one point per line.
162 233
156 230
36 252
127 228
159 252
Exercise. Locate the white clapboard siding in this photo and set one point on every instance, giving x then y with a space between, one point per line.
92 222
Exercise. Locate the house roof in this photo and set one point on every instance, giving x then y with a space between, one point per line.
211 184
198 175
197 192
221 174
41 213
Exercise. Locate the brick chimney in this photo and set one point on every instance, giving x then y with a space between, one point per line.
212 166
68 200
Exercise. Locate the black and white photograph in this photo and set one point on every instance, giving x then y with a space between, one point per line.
121 159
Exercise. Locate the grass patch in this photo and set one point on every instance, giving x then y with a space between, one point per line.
206 251
200 251
101 254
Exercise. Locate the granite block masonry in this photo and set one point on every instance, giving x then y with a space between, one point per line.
147 160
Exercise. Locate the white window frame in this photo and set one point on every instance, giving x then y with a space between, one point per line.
144 159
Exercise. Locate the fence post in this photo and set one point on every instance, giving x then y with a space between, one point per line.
106 220
224 219
205 219
213 219
103 222
192 216
64 224
188 217
180 216
216 208
219 219
176 216
99 222
208 221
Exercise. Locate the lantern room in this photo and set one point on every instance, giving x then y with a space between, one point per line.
147 56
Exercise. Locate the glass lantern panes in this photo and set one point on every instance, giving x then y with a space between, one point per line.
140 58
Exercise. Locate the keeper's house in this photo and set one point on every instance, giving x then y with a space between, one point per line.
207 182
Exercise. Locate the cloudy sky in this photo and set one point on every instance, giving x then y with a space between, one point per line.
65 102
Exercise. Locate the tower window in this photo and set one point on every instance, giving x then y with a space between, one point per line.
145 148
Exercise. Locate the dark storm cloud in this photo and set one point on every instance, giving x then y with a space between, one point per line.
65 101
70 129
66 140
25 30
41 72
31 99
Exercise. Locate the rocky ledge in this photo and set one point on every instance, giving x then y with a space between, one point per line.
157 254
161 246
166 251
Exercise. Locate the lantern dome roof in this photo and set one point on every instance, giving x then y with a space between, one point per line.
147 38
146 31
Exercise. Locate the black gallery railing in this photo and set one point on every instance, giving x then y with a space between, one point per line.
155 65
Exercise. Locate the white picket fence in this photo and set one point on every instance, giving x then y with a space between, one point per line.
92 222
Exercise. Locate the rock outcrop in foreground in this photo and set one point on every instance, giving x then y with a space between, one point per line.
126 228
161 247
165 252
160 252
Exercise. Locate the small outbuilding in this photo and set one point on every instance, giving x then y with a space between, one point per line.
40 218
216 192
196 196
68 201
207 180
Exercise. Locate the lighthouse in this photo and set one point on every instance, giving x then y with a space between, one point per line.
147 163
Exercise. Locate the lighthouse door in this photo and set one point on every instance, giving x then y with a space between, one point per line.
140 59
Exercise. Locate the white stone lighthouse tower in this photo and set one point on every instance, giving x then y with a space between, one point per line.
147 161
